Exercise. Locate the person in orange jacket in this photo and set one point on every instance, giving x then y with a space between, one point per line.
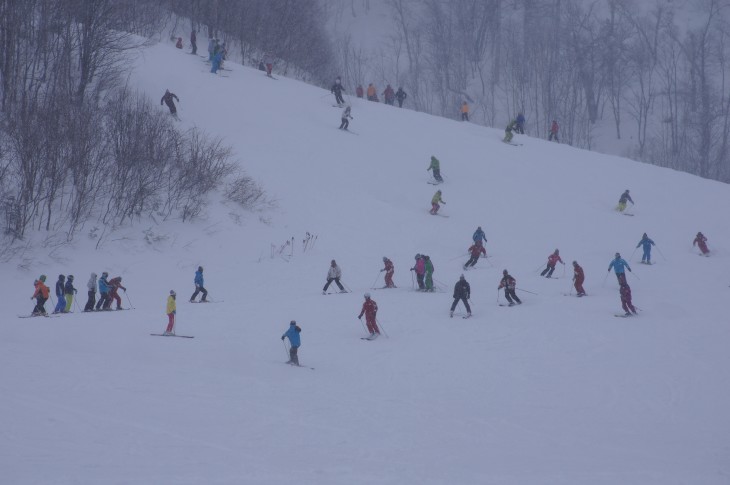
41 296
372 93
464 111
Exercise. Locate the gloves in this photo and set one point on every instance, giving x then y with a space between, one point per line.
174 312
283 337
382 270
359 317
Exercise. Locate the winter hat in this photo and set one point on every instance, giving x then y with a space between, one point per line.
557 252
367 296
42 278
105 273
93 275
618 255
575 263
200 268
293 322
61 277
504 272
70 277
462 277
385 259
172 292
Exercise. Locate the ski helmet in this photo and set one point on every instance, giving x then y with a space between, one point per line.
462 277
42 278
504 272
293 322
618 255
200 268
172 292
70 277
367 295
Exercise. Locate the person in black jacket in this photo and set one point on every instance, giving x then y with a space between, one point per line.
401 96
337 89
462 291
167 99
509 284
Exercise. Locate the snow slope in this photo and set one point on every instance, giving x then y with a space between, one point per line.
556 391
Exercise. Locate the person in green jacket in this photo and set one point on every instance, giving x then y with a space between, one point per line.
436 167
429 273
508 131
435 202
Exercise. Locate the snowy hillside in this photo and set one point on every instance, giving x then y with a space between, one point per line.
555 391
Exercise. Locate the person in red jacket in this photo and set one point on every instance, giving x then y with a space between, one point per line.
701 242
578 278
554 131
553 259
359 92
370 310
628 307
41 296
389 270
475 251
114 285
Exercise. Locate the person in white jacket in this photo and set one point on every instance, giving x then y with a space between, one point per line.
334 274
91 287
345 116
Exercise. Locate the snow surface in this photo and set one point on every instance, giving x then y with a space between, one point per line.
556 391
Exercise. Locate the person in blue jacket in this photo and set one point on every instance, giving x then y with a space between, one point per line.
647 244
520 123
199 288
618 264
293 335
61 299
103 290
479 235
216 61
623 200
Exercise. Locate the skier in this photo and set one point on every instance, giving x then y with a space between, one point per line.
435 203
372 93
625 292
41 296
389 95
625 197
359 92
91 288
479 235
475 250
345 115
701 242
103 291
199 288
647 244
179 44
333 274
68 292
337 89
167 98
520 128
436 167
509 284
618 264
428 266
578 279
215 64
464 111
553 259
293 335
401 96
211 49
269 62
389 270
554 127
462 291
508 131
370 310
61 300
194 41
114 285
420 269
171 311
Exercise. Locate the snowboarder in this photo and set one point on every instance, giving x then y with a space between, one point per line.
359 92
114 285
167 98
337 90
389 95
578 279
509 284
618 264
701 242
199 286
428 266
520 127
41 295
553 259
372 93
436 167
464 111
68 292
479 235
91 290
345 115
194 41
462 292
625 292
370 310
389 270
61 299
103 291
435 203
625 197
171 311
475 250
647 244
333 274
295 340
401 96
420 269
554 127
508 131
179 43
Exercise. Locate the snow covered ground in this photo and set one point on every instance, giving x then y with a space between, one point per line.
556 391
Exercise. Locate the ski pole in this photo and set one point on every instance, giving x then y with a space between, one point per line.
497 296
380 326
128 299
538 268
489 262
604 279
526 291
660 252
631 258
632 273
286 349
459 256
413 281
563 270
376 280
76 304
363 325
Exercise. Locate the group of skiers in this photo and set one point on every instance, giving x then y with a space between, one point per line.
65 292
517 125
390 96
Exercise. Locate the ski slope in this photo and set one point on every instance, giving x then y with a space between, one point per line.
555 391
